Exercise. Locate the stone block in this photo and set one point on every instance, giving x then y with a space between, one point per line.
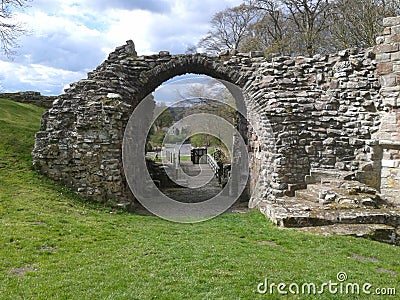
384 57
384 135
387 156
388 80
356 142
395 29
394 38
396 67
390 118
390 163
389 128
384 68
340 74
340 166
393 56
391 21
380 40
387 48
392 102
393 91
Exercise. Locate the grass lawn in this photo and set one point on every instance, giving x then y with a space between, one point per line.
54 245
185 157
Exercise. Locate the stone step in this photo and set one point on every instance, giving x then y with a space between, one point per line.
295 214
327 175
346 193
311 193
377 232
377 224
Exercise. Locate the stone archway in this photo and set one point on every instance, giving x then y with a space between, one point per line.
320 110
81 135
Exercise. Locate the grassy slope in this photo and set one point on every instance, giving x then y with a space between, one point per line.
75 250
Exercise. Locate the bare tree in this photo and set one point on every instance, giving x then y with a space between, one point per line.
228 29
191 49
273 32
10 30
300 27
357 23
292 26
310 17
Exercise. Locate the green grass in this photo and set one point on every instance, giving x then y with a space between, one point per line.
185 157
54 245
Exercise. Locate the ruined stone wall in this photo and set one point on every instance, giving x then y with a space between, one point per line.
323 111
386 148
305 113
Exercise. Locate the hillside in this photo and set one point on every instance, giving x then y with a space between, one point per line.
54 245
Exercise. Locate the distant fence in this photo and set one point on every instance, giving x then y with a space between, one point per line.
221 170
213 164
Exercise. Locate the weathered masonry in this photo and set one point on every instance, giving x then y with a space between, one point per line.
329 112
385 154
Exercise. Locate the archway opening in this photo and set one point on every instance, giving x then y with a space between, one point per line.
195 144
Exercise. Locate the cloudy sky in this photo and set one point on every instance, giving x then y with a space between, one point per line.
69 38
177 89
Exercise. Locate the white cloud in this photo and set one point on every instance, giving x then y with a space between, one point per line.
130 25
35 77
59 42
188 86
69 38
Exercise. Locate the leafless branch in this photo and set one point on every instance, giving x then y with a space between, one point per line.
10 31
